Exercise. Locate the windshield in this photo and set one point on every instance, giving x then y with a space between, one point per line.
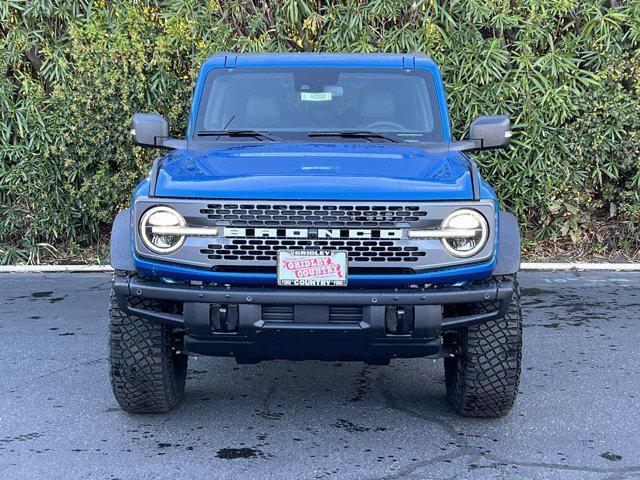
294 102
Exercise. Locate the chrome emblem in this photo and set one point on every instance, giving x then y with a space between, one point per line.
328 233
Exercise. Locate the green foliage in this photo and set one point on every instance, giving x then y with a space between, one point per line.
566 71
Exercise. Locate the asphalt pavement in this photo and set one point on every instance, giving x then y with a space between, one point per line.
577 415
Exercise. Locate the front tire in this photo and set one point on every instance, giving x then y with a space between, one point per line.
147 374
483 375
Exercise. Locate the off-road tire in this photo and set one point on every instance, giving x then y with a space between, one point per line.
482 377
147 375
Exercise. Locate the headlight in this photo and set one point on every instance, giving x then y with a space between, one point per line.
474 232
155 225
463 233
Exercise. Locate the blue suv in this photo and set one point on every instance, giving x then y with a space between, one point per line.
318 208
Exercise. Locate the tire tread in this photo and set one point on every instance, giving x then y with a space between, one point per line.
146 375
483 377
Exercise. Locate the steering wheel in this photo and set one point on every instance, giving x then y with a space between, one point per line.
385 123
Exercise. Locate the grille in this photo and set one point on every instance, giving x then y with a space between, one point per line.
358 250
324 215
277 313
337 313
384 253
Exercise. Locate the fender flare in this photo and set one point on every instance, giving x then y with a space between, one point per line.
120 247
508 255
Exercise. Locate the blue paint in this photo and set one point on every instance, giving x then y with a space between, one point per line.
477 271
324 171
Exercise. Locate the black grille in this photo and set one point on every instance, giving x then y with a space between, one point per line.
345 313
277 313
337 313
358 250
325 215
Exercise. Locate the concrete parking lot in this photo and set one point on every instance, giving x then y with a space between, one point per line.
577 415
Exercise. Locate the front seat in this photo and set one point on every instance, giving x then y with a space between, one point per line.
377 106
261 112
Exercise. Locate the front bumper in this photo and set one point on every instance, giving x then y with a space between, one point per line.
309 332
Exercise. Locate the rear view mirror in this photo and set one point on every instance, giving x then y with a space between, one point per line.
149 129
490 131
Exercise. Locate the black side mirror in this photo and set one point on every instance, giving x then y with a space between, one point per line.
149 129
490 131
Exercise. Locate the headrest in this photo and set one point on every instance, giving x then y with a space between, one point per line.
377 104
261 110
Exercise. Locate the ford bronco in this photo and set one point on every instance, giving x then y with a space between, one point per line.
318 208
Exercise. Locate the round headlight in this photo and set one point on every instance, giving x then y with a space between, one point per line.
157 218
471 221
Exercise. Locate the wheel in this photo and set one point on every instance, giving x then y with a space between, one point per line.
147 375
482 377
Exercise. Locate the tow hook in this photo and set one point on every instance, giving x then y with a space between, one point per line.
400 320
223 318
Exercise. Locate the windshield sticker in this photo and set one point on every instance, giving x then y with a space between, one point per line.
316 96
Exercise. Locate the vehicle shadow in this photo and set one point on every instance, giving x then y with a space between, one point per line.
277 389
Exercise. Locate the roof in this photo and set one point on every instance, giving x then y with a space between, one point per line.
379 60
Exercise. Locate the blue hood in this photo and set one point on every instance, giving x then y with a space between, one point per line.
322 171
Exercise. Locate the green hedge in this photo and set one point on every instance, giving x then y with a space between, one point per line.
566 71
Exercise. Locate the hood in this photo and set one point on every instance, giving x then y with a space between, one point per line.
323 171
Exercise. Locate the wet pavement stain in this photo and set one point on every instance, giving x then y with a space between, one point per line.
611 456
236 453
269 415
20 438
353 428
35 296
363 384
530 292
48 293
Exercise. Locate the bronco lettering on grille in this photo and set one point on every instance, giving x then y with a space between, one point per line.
233 232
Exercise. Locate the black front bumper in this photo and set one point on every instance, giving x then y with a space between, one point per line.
257 335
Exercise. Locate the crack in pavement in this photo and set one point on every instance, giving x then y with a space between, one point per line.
462 448
465 449
625 471
86 363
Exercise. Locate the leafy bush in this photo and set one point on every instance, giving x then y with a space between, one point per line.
566 71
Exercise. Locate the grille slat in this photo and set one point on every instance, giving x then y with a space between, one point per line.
345 313
364 253
359 250
260 215
277 313
337 313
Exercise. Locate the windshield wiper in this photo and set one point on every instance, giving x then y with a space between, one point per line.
238 133
353 134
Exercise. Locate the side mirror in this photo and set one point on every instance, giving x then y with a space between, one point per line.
490 131
149 129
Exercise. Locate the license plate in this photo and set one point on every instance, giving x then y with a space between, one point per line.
312 268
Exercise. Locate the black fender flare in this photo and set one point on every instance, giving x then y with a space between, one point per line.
508 255
120 248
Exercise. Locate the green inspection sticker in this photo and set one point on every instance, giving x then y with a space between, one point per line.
316 96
